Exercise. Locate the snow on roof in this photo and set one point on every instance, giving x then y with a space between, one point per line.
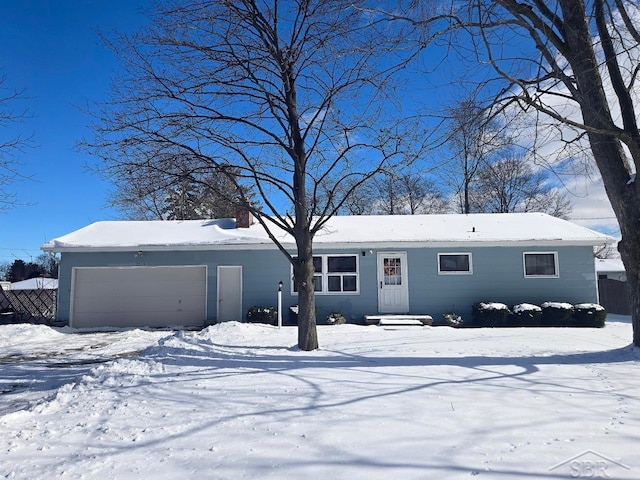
534 229
36 284
609 265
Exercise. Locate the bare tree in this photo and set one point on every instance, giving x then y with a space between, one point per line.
289 93
511 184
406 194
10 144
474 139
422 195
4 269
554 202
576 68
145 194
605 251
357 199
395 194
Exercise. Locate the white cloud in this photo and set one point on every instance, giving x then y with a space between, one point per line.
591 206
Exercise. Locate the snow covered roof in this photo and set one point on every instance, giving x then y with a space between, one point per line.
36 284
609 265
535 229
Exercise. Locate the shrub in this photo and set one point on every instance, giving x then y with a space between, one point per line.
454 320
336 318
557 314
526 315
589 315
293 315
268 315
491 314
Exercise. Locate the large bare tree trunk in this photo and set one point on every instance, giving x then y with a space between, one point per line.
303 276
623 194
629 247
303 268
622 190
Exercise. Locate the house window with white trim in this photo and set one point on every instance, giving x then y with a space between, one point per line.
455 264
540 264
334 274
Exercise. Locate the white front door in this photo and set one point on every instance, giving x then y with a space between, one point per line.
393 288
229 293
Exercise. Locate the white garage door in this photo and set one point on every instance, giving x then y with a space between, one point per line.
139 296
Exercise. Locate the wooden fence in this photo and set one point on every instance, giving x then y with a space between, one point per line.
614 296
28 305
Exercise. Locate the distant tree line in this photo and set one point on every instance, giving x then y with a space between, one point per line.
18 270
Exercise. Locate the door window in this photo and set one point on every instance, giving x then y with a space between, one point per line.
392 271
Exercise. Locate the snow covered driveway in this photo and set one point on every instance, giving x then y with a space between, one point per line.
238 401
35 360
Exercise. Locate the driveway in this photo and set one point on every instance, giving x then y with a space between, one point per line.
35 360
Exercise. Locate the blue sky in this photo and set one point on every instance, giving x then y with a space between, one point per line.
53 50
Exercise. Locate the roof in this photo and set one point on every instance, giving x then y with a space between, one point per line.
36 284
613 265
382 231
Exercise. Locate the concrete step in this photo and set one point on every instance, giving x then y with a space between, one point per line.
401 320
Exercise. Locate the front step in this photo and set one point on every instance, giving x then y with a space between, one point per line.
400 320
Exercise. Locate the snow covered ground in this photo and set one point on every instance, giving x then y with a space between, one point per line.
240 401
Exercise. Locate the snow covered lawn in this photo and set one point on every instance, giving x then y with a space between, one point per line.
239 401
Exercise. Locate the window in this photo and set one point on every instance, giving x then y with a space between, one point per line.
540 264
454 263
334 274
392 271
342 273
317 279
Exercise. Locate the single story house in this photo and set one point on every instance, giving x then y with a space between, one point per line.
611 268
191 273
38 283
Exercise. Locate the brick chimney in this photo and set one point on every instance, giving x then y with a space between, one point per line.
244 218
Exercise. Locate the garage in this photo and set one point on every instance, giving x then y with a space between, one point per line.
138 296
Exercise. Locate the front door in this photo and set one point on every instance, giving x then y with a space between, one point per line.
393 288
229 293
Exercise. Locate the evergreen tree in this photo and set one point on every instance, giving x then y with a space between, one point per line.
20 270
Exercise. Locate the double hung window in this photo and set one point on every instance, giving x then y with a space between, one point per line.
334 274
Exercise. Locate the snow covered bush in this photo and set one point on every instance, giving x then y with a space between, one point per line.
267 315
557 314
589 315
452 319
293 315
336 318
526 315
491 314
